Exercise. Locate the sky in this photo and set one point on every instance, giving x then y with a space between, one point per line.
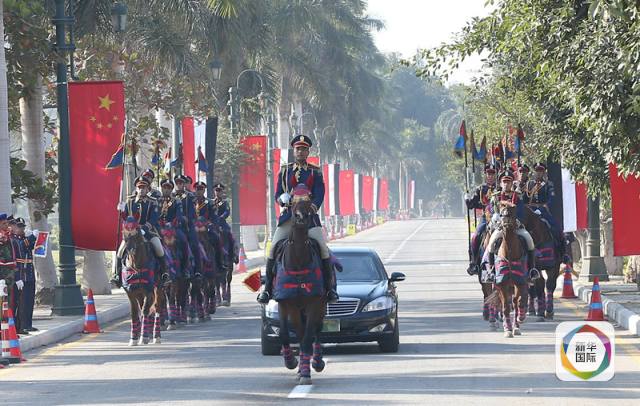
414 24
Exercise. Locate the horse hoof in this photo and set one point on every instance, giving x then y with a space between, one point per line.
493 326
157 341
305 380
144 341
318 366
171 327
516 332
225 303
293 364
548 315
540 318
133 343
532 312
508 334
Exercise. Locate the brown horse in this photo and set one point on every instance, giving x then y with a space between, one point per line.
178 259
548 258
508 255
305 312
140 278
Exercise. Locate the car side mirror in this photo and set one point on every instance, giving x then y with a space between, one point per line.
397 277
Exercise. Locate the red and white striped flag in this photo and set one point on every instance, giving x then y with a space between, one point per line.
574 203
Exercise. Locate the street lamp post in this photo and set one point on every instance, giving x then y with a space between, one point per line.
234 122
67 296
593 264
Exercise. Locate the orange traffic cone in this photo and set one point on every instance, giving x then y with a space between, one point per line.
242 266
90 318
567 287
595 307
10 341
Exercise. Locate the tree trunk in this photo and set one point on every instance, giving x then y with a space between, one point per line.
5 144
613 264
94 273
33 153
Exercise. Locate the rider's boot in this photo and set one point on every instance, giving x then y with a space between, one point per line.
329 276
116 278
266 293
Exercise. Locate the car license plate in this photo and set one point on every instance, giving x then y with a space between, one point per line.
331 326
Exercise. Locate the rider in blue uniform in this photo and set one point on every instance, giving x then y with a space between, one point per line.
144 209
540 193
203 206
222 211
480 200
187 199
151 175
289 177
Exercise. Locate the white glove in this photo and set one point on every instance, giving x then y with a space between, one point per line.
19 285
284 198
3 288
121 206
28 234
467 196
538 212
35 232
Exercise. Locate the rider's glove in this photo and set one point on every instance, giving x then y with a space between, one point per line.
284 199
19 285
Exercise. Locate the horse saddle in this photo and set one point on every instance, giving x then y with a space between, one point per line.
290 283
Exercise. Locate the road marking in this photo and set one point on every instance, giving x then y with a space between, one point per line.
401 246
300 392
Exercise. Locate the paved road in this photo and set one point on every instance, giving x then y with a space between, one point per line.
447 354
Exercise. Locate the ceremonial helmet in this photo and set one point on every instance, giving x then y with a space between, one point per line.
524 168
490 168
149 173
540 166
181 179
142 181
218 186
506 175
166 182
200 185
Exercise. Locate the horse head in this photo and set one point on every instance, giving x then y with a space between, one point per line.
168 233
508 219
301 208
133 236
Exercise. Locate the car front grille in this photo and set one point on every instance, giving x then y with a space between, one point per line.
345 307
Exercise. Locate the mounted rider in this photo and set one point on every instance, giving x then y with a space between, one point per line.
203 206
222 211
151 175
523 179
144 209
506 194
540 193
187 201
480 200
290 176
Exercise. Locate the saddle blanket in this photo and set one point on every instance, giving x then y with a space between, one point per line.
291 283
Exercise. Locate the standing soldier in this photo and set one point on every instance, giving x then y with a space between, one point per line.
143 208
26 284
480 200
8 265
290 176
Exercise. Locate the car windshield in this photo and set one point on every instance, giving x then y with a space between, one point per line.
358 268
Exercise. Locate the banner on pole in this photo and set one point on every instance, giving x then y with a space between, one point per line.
189 148
383 196
253 182
367 193
625 200
96 130
347 203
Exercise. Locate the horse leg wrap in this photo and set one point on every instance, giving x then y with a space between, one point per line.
485 312
172 313
147 326
508 325
532 305
157 322
163 315
522 314
201 309
289 360
541 306
305 365
492 314
550 302
135 330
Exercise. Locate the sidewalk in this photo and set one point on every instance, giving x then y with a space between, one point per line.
621 301
109 308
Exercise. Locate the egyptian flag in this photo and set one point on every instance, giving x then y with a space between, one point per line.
328 172
625 201
357 192
461 144
574 203
96 128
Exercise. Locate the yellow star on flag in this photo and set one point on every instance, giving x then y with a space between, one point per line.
99 125
105 102
92 119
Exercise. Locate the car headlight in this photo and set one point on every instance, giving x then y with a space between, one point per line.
381 303
271 309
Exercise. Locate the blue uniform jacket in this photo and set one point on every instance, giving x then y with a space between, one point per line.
290 176
204 208
144 209
186 199
170 209
540 192
221 208
24 257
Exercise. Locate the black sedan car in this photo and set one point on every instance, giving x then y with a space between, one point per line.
367 310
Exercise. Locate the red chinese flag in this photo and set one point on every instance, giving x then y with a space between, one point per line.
96 118
581 206
367 193
253 182
625 200
383 195
347 203
189 148
314 160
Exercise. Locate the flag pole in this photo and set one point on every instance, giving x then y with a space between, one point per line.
473 171
466 184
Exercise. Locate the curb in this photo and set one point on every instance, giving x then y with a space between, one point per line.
625 318
70 328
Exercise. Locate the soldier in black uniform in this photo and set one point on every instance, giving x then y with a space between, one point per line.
26 283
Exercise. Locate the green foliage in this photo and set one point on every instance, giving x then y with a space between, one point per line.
26 186
570 67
